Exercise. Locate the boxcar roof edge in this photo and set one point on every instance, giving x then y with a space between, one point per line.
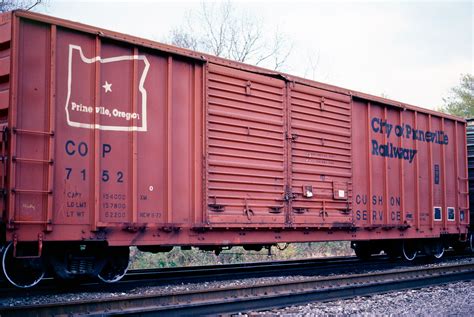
204 57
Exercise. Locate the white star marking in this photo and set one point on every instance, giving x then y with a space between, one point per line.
107 87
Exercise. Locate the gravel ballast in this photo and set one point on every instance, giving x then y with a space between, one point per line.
454 299
73 296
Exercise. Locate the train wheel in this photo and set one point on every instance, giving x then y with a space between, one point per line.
362 250
23 273
116 265
392 252
409 251
439 251
471 242
459 247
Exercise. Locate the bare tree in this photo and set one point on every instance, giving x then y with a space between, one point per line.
181 38
8 5
312 65
222 30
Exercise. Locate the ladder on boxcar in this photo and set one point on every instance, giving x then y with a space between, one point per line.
3 170
464 192
46 186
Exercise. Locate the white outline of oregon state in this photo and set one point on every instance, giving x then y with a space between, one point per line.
108 60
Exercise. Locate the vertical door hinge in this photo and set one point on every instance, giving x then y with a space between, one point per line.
289 195
248 87
291 137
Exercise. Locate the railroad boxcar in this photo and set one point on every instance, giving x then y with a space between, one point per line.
110 141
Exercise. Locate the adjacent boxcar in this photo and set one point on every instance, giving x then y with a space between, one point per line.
111 141
470 157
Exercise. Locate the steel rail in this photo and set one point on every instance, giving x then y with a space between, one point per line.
207 273
193 274
306 267
262 296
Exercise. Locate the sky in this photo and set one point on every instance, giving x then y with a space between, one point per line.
410 51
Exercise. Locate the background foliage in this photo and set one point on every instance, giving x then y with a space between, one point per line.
460 101
178 257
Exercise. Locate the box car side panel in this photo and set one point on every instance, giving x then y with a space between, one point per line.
118 128
111 141
408 170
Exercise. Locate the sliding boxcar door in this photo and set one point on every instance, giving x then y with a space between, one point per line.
321 168
246 149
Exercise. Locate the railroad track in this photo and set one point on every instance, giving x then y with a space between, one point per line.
267 295
306 267
199 274
196 274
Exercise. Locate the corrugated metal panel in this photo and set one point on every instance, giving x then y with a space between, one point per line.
321 160
246 147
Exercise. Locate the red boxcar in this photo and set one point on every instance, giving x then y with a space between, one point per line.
111 141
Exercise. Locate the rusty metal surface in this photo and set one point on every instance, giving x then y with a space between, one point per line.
113 137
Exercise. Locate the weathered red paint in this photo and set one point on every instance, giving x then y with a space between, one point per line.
119 138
